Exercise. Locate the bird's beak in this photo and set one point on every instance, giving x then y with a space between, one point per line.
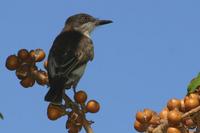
102 22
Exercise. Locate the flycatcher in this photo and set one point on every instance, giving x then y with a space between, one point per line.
69 55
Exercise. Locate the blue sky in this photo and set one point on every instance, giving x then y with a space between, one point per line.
147 56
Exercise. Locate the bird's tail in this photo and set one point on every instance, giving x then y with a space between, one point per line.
55 93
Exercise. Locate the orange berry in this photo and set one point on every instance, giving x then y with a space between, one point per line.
191 103
12 62
23 71
173 130
37 54
189 123
27 82
194 95
80 97
73 130
182 109
23 54
92 106
163 114
41 77
139 127
174 117
55 111
32 54
173 103
148 114
33 68
141 117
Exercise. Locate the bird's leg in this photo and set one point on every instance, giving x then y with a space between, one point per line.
74 86
67 100
74 89
69 103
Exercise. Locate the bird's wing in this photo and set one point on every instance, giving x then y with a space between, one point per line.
62 56
59 68
69 51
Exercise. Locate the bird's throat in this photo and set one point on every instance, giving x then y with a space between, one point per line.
86 33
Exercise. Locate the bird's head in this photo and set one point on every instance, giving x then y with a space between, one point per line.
84 23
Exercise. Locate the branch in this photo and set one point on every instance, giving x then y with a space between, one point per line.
192 113
25 64
87 127
162 127
70 104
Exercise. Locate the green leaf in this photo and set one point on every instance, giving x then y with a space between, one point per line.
194 84
1 116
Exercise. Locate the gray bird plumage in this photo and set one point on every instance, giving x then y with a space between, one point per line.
69 55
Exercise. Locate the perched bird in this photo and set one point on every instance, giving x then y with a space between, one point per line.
69 55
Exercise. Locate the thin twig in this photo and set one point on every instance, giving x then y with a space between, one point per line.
87 127
191 112
161 128
73 105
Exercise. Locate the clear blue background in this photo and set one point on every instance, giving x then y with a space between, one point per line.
147 56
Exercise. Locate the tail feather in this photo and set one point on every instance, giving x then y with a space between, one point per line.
55 93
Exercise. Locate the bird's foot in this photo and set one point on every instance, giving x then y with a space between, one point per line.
74 89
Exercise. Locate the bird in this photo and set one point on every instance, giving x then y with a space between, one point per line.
72 49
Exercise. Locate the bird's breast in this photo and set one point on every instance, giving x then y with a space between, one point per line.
85 51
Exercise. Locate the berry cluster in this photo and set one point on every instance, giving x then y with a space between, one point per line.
76 116
24 64
179 116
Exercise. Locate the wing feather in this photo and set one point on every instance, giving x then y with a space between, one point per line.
62 56
69 51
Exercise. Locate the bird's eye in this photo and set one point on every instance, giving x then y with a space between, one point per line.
84 19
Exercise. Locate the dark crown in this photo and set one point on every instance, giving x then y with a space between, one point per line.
80 19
